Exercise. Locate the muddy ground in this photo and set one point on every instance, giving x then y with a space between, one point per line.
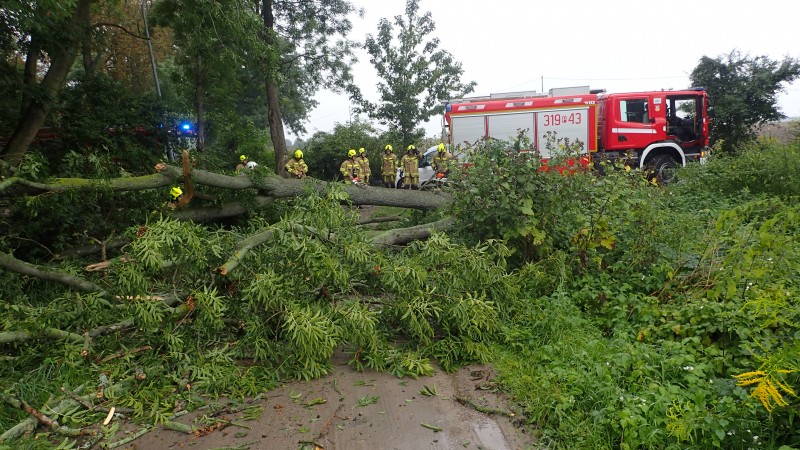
349 410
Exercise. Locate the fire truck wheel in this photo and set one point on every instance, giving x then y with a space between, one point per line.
662 168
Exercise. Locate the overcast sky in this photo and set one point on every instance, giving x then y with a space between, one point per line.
617 45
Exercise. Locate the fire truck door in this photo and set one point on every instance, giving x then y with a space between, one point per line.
632 127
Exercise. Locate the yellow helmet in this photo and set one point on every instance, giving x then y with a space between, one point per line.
442 147
351 153
361 150
411 147
298 154
388 147
242 158
175 192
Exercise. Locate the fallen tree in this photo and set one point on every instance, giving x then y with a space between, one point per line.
268 185
283 295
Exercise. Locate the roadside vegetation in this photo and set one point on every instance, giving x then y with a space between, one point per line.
620 314
653 317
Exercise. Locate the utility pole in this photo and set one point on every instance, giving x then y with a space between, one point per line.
150 47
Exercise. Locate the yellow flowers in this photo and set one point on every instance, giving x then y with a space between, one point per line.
768 387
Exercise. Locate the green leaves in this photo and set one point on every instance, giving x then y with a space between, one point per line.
527 205
415 74
743 91
367 400
313 337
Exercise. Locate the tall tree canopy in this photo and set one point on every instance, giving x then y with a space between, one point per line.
214 39
416 75
308 50
743 91
49 33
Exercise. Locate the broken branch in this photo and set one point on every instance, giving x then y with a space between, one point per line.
402 236
243 248
42 418
51 333
125 353
222 211
484 409
368 220
11 263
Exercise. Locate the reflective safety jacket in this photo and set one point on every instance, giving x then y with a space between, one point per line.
389 166
297 167
350 169
363 161
441 162
410 165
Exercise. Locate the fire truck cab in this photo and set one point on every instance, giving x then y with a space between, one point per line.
659 130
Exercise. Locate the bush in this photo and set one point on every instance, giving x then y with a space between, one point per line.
653 317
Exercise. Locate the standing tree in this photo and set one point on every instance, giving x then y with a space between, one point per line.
325 151
304 38
743 92
416 75
213 40
50 33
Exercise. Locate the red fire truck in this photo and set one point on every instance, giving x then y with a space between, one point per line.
658 130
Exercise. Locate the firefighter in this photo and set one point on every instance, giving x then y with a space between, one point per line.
296 166
410 163
441 162
363 161
351 169
175 195
389 167
242 163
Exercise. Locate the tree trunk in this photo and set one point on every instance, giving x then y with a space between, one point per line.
402 236
11 263
276 127
60 62
29 76
89 62
273 99
199 104
212 213
270 186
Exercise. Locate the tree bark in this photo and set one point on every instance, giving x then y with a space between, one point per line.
402 236
273 99
276 127
199 104
60 62
19 186
11 263
212 213
84 250
371 220
51 333
272 186
29 75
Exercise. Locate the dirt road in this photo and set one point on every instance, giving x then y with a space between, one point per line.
348 410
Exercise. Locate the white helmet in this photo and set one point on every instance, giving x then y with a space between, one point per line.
251 164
